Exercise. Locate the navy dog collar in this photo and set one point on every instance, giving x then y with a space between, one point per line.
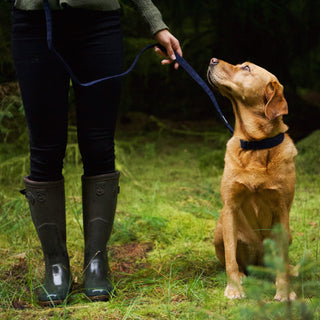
262 144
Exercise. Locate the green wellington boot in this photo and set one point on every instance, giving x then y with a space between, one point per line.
47 206
99 196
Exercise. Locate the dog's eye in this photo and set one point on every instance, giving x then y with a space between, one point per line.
246 68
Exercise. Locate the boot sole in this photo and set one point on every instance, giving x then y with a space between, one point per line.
50 303
100 298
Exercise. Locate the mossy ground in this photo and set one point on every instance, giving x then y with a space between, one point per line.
161 250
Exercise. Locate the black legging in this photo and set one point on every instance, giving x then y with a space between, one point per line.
91 43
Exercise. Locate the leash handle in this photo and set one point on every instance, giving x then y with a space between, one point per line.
182 62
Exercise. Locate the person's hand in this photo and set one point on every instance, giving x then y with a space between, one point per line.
166 39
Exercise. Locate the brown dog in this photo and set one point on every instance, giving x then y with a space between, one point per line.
258 182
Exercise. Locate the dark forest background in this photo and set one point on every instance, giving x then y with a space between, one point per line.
282 36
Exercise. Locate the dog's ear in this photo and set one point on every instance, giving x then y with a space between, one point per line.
276 104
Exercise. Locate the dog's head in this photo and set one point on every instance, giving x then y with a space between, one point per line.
249 85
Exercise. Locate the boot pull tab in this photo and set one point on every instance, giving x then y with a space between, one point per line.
40 196
29 196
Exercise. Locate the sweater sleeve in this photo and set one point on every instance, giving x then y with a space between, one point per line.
151 14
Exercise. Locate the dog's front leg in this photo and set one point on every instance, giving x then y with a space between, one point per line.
230 234
283 276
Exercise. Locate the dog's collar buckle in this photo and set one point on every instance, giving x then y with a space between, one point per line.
262 144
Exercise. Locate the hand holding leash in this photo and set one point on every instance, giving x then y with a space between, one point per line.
169 44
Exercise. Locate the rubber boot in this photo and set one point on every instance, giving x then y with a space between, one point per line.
47 207
99 196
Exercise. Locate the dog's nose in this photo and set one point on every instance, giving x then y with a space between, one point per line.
214 61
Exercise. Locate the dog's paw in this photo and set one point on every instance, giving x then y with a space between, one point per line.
281 296
234 291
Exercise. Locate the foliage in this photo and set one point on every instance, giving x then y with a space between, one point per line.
161 250
6 65
276 35
309 150
276 260
12 120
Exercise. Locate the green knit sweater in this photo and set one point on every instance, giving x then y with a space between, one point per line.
146 8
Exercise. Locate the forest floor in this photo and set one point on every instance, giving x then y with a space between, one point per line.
161 251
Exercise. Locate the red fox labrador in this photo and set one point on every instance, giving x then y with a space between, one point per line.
258 181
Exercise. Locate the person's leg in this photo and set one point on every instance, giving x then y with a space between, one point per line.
44 89
99 55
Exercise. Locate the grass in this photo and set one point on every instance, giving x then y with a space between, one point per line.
161 250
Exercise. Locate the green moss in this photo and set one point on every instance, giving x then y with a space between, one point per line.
168 206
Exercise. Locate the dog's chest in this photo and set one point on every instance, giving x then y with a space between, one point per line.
258 210
251 170
254 182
